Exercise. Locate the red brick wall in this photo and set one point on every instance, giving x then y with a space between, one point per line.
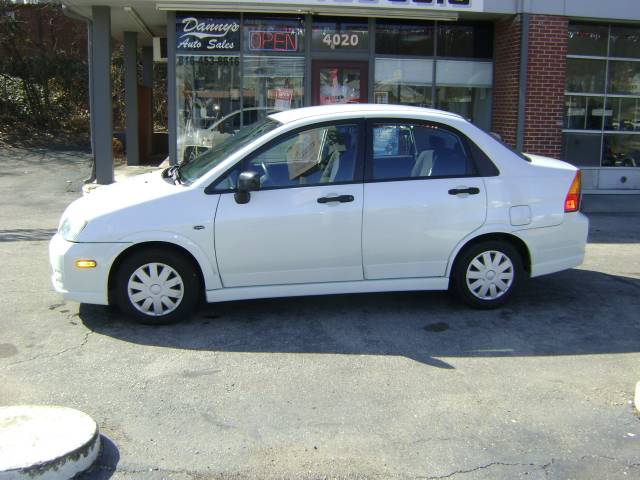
507 78
546 72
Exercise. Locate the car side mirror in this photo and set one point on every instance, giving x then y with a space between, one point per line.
247 182
496 136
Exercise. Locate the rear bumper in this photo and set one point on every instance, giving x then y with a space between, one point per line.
557 248
81 285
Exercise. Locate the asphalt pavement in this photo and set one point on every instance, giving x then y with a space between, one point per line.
376 386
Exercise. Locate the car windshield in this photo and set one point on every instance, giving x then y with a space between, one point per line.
194 169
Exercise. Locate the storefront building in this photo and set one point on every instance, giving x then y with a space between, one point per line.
258 63
553 77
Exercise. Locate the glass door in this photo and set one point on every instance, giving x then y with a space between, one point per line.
339 82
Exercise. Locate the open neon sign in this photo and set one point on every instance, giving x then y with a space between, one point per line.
271 41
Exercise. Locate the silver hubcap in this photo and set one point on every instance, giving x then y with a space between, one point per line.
490 275
155 289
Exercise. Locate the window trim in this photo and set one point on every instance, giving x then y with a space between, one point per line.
601 57
481 163
358 170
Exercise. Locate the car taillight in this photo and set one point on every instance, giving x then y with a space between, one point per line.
572 201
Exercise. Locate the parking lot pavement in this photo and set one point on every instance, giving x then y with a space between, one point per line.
397 385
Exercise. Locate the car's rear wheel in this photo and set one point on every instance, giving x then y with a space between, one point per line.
157 287
487 274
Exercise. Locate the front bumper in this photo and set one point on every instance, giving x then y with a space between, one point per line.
88 285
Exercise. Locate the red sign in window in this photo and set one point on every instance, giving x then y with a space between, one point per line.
273 41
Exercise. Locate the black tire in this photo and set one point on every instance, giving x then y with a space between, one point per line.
181 287
500 288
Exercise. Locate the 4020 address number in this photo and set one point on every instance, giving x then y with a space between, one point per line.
339 40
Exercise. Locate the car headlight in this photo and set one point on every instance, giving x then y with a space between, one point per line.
71 227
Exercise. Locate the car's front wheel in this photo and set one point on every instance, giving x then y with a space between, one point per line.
157 287
487 274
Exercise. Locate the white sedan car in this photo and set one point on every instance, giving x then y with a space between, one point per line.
325 200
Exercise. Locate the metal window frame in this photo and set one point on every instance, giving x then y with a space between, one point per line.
600 57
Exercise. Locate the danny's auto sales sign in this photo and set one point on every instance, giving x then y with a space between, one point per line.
205 34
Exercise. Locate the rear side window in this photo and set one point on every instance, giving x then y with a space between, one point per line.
405 151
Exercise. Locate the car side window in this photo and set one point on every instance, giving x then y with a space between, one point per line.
405 150
317 156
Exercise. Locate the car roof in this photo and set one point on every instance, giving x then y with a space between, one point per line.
360 109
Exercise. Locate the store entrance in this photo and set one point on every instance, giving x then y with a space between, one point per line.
339 82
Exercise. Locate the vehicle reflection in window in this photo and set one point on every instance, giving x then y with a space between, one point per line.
195 142
198 166
620 150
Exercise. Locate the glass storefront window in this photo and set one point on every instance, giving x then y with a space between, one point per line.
624 77
233 70
469 102
340 85
625 114
465 88
403 81
340 34
467 40
582 149
273 34
273 82
208 89
585 75
400 38
615 109
586 39
584 113
620 150
625 42
461 73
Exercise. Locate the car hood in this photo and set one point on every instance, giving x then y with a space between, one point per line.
117 196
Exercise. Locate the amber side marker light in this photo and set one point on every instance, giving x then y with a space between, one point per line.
572 201
86 263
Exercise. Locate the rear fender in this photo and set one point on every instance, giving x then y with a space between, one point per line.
486 230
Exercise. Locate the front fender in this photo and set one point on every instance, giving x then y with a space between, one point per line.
206 260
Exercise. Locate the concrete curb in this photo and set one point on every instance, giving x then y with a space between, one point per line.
636 401
46 443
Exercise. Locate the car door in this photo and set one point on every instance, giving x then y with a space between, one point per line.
422 195
304 224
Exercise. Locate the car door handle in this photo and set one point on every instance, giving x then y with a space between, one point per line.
339 198
470 191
